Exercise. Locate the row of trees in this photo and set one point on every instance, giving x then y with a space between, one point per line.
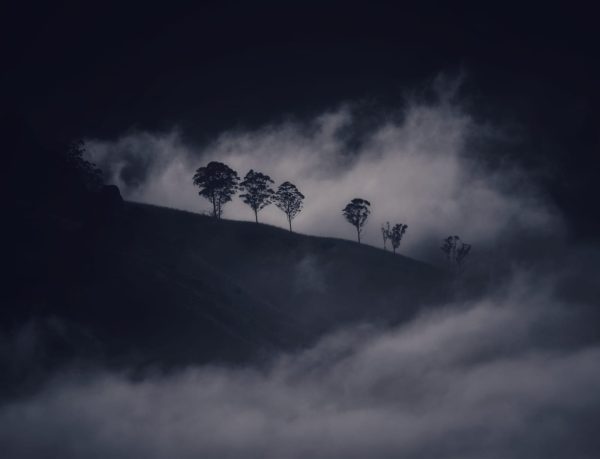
456 251
357 212
219 183
394 234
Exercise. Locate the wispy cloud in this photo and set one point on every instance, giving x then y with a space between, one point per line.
414 168
488 379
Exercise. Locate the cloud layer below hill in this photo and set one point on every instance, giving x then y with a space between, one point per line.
495 378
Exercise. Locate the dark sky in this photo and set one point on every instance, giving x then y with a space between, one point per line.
82 70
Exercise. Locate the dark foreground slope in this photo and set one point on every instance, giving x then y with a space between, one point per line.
149 285
317 283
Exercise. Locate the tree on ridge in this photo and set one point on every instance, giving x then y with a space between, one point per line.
356 213
456 251
217 183
396 235
289 199
385 233
258 192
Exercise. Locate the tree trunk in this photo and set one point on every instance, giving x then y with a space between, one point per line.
256 215
358 233
290 222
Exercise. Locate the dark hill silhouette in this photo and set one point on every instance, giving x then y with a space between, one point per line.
89 278
156 286
318 282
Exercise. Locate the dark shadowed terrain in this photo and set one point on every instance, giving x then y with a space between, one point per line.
153 286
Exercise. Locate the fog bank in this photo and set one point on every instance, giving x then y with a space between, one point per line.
492 378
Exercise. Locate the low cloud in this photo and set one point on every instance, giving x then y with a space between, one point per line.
512 374
489 379
416 168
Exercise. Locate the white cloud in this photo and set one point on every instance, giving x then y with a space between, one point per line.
415 171
481 380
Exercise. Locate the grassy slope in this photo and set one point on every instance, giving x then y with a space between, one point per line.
287 286
165 287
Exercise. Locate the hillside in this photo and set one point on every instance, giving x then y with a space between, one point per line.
165 287
317 282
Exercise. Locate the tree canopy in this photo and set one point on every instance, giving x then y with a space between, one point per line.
257 191
396 234
289 199
356 212
85 172
217 183
456 251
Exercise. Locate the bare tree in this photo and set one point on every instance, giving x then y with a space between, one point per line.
385 233
217 183
396 235
289 200
356 212
456 251
258 192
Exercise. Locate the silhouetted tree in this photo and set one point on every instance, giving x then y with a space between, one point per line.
456 251
356 212
217 183
385 233
396 235
258 192
289 199
85 172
